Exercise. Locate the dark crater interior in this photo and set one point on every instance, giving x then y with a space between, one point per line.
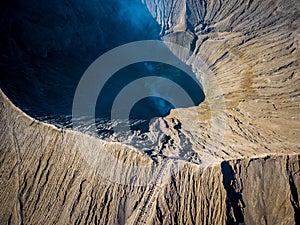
46 46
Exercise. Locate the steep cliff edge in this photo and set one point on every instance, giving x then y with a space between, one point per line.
251 49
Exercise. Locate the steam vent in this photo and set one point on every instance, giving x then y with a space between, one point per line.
150 112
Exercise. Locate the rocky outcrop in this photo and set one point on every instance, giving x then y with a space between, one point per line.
249 125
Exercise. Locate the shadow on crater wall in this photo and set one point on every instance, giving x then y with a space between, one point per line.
46 47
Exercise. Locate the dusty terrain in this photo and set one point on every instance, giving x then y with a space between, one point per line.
243 161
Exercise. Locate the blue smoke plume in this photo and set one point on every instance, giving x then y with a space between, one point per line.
162 103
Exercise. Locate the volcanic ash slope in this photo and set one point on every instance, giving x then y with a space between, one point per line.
249 123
